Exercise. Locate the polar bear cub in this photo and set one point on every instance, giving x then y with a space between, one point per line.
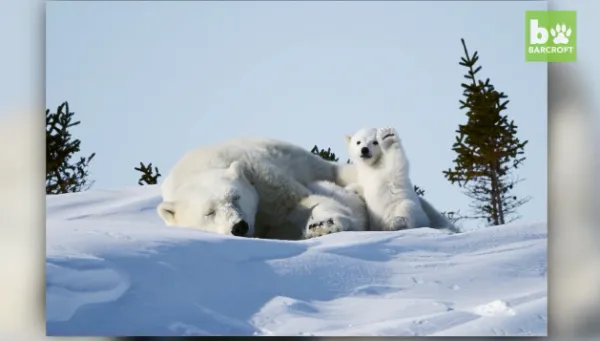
383 179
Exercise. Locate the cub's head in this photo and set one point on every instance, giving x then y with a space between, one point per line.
218 200
363 147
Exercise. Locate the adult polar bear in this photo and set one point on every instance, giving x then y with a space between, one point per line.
255 187
262 188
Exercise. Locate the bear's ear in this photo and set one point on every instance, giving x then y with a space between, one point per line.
166 210
347 138
236 169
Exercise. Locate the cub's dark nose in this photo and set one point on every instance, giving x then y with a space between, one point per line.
240 228
364 151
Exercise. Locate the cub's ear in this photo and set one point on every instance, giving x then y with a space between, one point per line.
347 138
236 168
166 210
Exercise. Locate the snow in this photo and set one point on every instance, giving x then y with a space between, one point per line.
114 269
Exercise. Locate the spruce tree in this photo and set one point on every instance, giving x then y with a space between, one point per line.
62 174
487 149
149 176
325 154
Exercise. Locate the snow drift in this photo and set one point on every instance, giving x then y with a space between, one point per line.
114 269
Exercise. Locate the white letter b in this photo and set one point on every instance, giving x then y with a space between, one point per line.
538 35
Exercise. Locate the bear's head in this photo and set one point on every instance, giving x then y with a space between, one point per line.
363 147
218 200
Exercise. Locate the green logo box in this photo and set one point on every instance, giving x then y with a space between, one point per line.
550 36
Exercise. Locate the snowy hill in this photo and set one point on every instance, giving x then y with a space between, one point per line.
113 268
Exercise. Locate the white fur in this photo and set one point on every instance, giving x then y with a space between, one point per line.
335 209
436 219
260 182
216 199
383 174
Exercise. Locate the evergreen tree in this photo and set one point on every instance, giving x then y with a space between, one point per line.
62 174
487 149
149 176
325 154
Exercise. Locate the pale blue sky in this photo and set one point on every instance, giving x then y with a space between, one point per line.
151 80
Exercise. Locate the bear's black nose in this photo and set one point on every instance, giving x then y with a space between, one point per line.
364 151
240 228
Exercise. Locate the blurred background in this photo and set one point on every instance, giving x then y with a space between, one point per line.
574 163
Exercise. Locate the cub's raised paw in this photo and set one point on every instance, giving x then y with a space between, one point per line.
317 228
387 135
386 132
